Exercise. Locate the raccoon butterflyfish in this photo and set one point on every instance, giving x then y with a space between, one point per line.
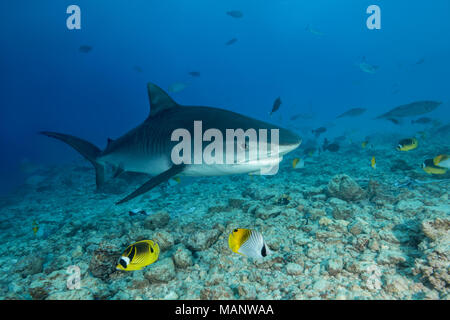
138 255
429 167
364 144
442 161
407 144
249 243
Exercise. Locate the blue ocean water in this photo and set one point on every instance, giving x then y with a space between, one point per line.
308 53
48 83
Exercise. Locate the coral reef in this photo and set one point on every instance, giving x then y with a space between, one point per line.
348 232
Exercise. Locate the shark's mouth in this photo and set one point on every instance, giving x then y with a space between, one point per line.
274 154
262 163
269 163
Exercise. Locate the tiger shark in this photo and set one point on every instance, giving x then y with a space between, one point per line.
149 147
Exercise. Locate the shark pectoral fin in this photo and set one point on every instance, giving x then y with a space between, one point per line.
153 182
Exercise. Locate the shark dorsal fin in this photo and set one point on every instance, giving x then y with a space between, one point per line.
159 100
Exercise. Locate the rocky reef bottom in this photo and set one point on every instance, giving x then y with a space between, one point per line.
337 229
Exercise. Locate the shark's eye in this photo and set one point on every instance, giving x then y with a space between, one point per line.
235 230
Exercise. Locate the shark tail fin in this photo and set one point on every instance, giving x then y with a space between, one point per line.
86 149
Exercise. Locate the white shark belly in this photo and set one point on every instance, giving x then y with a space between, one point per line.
156 165
151 166
228 169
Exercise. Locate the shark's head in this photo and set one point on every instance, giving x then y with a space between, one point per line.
288 141
260 155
